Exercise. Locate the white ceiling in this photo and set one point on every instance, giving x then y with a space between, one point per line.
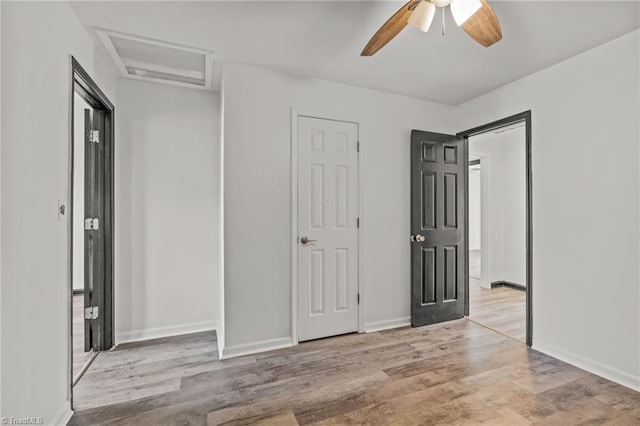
324 39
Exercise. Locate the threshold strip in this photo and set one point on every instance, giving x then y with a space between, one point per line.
495 331
85 367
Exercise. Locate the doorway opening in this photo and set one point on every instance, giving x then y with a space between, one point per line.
442 265
91 228
499 245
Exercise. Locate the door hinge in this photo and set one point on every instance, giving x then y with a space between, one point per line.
91 313
358 298
358 146
358 223
91 224
94 136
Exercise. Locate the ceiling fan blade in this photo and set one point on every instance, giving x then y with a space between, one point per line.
390 29
484 26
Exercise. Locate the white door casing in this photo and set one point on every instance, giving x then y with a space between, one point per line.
327 216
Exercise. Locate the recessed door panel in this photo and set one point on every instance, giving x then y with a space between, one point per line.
342 143
316 196
342 197
317 140
428 197
429 151
342 279
450 200
450 273
428 275
316 281
327 239
450 154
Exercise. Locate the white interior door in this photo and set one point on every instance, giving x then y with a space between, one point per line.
327 228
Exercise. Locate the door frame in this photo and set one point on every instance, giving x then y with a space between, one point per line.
516 118
295 114
81 81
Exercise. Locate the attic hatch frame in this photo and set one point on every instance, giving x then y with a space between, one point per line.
106 37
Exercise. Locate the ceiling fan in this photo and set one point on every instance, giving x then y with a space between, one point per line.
476 17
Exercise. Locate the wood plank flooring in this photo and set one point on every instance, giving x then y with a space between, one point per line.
454 373
502 309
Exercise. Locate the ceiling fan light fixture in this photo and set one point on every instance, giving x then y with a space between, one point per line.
441 3
462 10
422 16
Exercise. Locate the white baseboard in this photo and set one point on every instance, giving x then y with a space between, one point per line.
62 417
220 339
156 333
611 373
220 348
386 324
234 351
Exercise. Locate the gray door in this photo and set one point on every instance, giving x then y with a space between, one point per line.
438 254
94 229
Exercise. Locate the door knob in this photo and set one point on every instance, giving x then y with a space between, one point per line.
306 240
417 238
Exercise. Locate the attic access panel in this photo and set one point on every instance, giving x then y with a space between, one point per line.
152 60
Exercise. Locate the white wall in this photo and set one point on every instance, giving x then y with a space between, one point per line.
78 192
37 39
514 204
1 412
257 203
586 189
503 168
167 214
475 209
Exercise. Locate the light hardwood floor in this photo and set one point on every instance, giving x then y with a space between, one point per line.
502 309
453 373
